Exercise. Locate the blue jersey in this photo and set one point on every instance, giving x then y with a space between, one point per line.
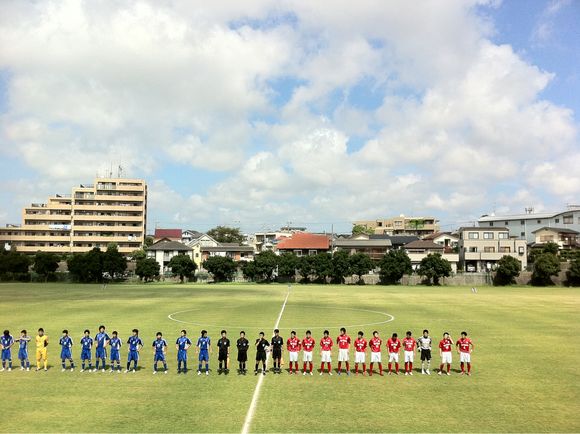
182 342
86 342
24 342
6 341
66 342
100 339
115 344
203 343
159 344
134 342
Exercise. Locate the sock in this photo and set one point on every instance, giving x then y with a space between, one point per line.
410 366
428 364
206 367
10 364
165 366
347 366
28 364
462 367
155 367
179 365
97 365
199 367
396 367
311 364
356 368
256 368
329 368
448 367
296 366
185 366
321 366
406 367
389 365
380 368
135 365
62 363
469 368
304 367
339 366
45 364
128 365
22 363
371 368
263 366
364 367
72 364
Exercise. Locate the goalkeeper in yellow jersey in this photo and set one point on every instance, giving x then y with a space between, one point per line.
41 351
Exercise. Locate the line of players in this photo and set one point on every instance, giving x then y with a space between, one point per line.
203 348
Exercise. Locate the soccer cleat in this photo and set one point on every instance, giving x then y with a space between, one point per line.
154 372
9 369
381 374
329 373
389 372
165 372
2 370
198 372
423 371
304 373
449 373
112 370
411 373
133 371
311 373
469 374
428 372
439 373
72 369
263 372
406 373
82 370
45 369
28 369
321 373
95 370
103 370
348 373
22 368
206 372
62 370
338 372
126 370
255 372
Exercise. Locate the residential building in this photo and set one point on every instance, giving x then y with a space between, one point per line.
165 249
402 225
230 250
480 248
375 248
419 249
446 239
112 210
565 238
188 235
397 241
303 243
197 243
523 226
170 234
268 240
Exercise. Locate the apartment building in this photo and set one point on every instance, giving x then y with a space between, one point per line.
112 210
420 249
402 225
481 248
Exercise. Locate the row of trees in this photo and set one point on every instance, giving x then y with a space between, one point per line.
96 265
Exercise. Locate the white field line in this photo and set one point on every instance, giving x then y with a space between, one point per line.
256 395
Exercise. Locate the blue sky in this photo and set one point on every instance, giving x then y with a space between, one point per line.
271 112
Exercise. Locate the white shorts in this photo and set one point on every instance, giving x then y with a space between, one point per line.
465 357
375 357
293 356
359 357
307 356
342 355
409 355
325 357
394 357
445 357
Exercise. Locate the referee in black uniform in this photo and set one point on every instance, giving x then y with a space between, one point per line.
243 345
277 344
261 349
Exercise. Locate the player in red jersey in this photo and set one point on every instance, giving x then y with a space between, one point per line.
465 347
325 349
360 346
393 347
375 345
308 346
445 347
343 341
409 345
293 346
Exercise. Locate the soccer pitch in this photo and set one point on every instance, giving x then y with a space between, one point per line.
525 363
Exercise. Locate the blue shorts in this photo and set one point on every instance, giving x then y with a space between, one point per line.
133 355
6 354
203 356
22 354
65 354
101 353
181 355
159 357
115 357
86 354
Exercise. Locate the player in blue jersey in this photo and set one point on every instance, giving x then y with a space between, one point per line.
86 347
204 350
182 345
159 349
6 342
115 344
23 350
66 344
135 345
101 342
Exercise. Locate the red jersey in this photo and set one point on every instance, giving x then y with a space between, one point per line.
343 342
445 345
308 344
464 344
409 344
360 345
375 344
326 343
394 345
293 345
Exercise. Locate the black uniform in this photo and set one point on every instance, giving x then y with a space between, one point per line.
242 345
261 345
223 345
277 343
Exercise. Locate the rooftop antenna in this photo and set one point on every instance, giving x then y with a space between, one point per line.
529 210
120 171
111 170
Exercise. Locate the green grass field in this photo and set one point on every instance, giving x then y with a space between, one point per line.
525 376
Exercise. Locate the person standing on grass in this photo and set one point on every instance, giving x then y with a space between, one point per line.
66 344
224 353
101 342
159 350
360 347
86 346
23 341
262 346
6 342
203 348
375 346
242 344
293 346
325 349
465 348
445 347
424 346
393 347
308 344
182 344
115 344
135 344
409 345
41 350
343 341
277 344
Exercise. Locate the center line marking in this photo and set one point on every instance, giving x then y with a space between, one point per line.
254 403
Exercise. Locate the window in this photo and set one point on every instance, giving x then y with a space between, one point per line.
298 252
521 251
489 249
490 224
312 252
503 235
568 220
380 224
539 222
522 222
488 235
473 235
557 220
507 223
504 249
522 234
546 238
473 250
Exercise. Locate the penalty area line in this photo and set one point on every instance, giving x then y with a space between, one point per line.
256 395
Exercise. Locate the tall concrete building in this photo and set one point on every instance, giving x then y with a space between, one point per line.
112 210
402 225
